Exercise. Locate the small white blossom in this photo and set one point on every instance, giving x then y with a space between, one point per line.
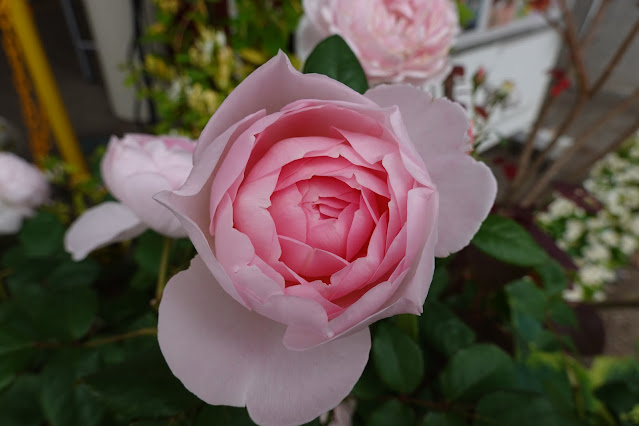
597 253
574 230
595 275
634 225
574 294
628 245
599 296
610 237
561 207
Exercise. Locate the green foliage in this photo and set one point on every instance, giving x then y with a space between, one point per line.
392 412
78 345
333 57
475 371
506 240
466 14
141 386
517 408
398 359
443 419
443 330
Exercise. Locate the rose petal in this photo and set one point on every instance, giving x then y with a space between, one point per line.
99 226
10 219
236 357
138 196
191 203
271 87
467 188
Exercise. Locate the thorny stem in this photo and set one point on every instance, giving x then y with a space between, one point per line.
585 93
574 49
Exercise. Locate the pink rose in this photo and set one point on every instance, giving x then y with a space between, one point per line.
395 40
134 169
23 188
315 212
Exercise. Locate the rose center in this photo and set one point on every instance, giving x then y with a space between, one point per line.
400 8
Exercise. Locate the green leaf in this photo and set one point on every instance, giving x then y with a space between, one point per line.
408 323
550 372
369 385
506 240
443 419
443 330
398 359
475 371
333 57
466 14
561 313
19 404
440 281
553 276
518 408
525 297
141 386
70 274
59 313
392 412
148 251
42 236
619 397
15 354
66 402
222 415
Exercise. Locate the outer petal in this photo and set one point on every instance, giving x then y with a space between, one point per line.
100 226
10 219
226 354
138 196
271 87
467 188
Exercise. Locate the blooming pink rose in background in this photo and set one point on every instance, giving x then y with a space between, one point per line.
134 169
315 211
395 40
23 188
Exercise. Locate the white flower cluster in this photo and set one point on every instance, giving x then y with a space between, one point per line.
599 243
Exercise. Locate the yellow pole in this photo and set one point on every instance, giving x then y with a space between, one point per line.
26 33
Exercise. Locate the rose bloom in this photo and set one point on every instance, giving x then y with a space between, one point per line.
395 40
134 169
23 188
315 211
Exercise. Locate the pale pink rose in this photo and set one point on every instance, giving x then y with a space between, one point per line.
23 188
395 40
315 211
134 169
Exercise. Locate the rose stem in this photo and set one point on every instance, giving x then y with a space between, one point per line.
149 331
164 264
